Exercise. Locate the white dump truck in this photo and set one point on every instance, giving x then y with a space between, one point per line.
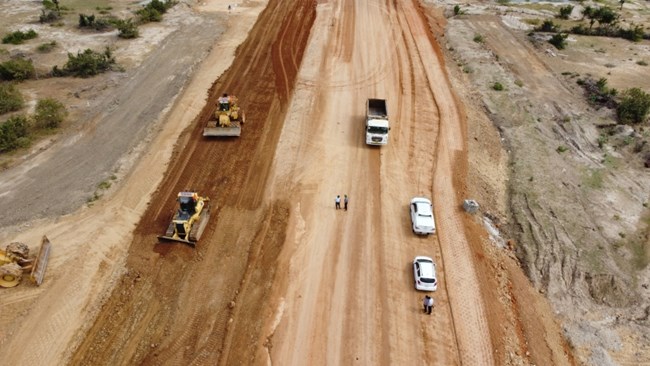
377 122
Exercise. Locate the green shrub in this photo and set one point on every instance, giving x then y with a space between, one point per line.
85 64
17 69
10 98
456 9
46 47
51 5
19 37
560 149
14 133
547 26
580 29
98 24
49 113
154 10
565 12
86 21
634 33
634 106
128 29
497 86
478 38
149 15
642 63
49 16
161 6
559 40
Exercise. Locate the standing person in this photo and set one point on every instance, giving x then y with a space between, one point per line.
426 303
338 201
430 305
345 202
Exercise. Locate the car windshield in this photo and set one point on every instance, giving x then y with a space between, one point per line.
381 130
428 280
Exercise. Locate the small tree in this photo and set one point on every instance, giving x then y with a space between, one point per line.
606 16
456 9
589 13
10 98
559 40
49 113
634 106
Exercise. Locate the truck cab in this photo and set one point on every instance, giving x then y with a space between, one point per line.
377 125
377 132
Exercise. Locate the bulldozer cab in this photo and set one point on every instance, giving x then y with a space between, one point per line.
187 203
224 103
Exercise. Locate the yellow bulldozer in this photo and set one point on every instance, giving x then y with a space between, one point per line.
228 118
190 219
15 260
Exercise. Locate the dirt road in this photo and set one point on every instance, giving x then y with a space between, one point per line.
350 295
344 286
280 276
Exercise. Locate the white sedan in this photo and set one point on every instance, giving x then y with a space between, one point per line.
422 216
424 271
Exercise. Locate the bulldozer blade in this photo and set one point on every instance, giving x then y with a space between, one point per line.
171 238
40 264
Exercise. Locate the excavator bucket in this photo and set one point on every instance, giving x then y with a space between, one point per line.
40 263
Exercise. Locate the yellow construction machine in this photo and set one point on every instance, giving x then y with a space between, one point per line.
190 219
14 260
227 119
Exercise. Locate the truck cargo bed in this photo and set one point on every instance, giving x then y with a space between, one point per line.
377 108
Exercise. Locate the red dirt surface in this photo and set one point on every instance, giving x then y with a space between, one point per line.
173 305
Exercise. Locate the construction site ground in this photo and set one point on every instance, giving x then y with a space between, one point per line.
280 276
